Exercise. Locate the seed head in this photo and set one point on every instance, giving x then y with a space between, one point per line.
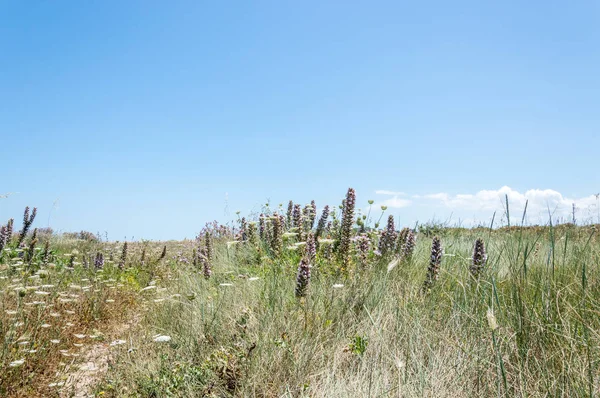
491 318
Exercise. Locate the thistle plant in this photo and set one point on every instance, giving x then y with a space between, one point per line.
321 225
327 252
408 248
297 216
9 230
434 264
268 230
261 226
401 240
346 228
307 217
31 249
252 233
389 242
27 221
381 242
3 238
123 258
303 277
311 248
479 258
209 246
297 220
282 221
243 229
277 236
290 212
363 245
99 261
205 262
46 253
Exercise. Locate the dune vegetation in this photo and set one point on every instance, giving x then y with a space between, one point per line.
300 301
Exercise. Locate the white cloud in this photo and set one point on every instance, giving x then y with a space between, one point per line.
482 204
396 203
394 193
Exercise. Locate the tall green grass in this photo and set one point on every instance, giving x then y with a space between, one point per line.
378 335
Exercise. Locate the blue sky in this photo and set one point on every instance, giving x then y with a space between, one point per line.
139 118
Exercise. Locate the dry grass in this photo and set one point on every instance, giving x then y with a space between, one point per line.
364 332
378 335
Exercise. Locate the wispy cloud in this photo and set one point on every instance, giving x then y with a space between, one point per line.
393 193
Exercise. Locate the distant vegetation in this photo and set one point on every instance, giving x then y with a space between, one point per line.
303 302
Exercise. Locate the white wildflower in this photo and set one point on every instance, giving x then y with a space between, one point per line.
326 241
231 243
16 363
117 342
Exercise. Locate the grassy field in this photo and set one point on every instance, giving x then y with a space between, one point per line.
291 304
